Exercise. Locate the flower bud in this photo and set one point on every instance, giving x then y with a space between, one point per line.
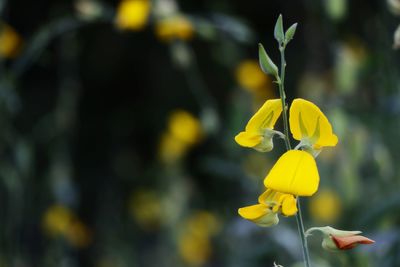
334 239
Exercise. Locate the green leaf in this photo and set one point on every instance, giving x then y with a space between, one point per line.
278 32
290 33
266 64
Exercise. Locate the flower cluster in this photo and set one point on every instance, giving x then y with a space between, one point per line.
295 173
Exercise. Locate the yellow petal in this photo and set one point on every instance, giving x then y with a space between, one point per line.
267 197
247 139
294 173
289 206
266 116
308 122
259 214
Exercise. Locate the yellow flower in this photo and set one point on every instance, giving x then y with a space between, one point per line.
294 173
10 42
259 130
310 126
270 204
175 27
250 76
133 14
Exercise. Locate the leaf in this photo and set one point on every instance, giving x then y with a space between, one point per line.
278 32
290 33
266 64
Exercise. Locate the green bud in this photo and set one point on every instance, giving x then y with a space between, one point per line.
266 64
278 32
290 33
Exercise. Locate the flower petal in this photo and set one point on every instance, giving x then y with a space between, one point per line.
266 116
289 207
349 242
259 214
308 122
247 139
294 173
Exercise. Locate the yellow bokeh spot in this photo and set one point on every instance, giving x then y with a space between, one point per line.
194 240
10 42
146 208
249 76
184 131
185 127
133 14
171 149
175 27
56 220
194 250
325 207
60 221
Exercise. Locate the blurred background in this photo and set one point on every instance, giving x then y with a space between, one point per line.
117 121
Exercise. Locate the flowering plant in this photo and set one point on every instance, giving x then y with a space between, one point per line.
295 174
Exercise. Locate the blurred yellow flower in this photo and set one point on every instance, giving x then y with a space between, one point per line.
250 76
271 203
184 130
175 27
171 148
10 42
146 208
325 206
259 131
133 14
202 223
56 220
185 127
60 221
79 234
294 173
310 126
194 240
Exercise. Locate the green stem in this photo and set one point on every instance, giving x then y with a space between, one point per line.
300 227
299 218
283 98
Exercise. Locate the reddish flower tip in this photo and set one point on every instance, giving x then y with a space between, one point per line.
349 242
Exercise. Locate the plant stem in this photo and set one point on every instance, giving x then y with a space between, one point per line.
282 94
283 97
300 227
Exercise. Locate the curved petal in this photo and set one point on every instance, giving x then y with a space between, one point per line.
289 205
308 122
268 197
266 116
259 214
294 173
349 242
247 139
